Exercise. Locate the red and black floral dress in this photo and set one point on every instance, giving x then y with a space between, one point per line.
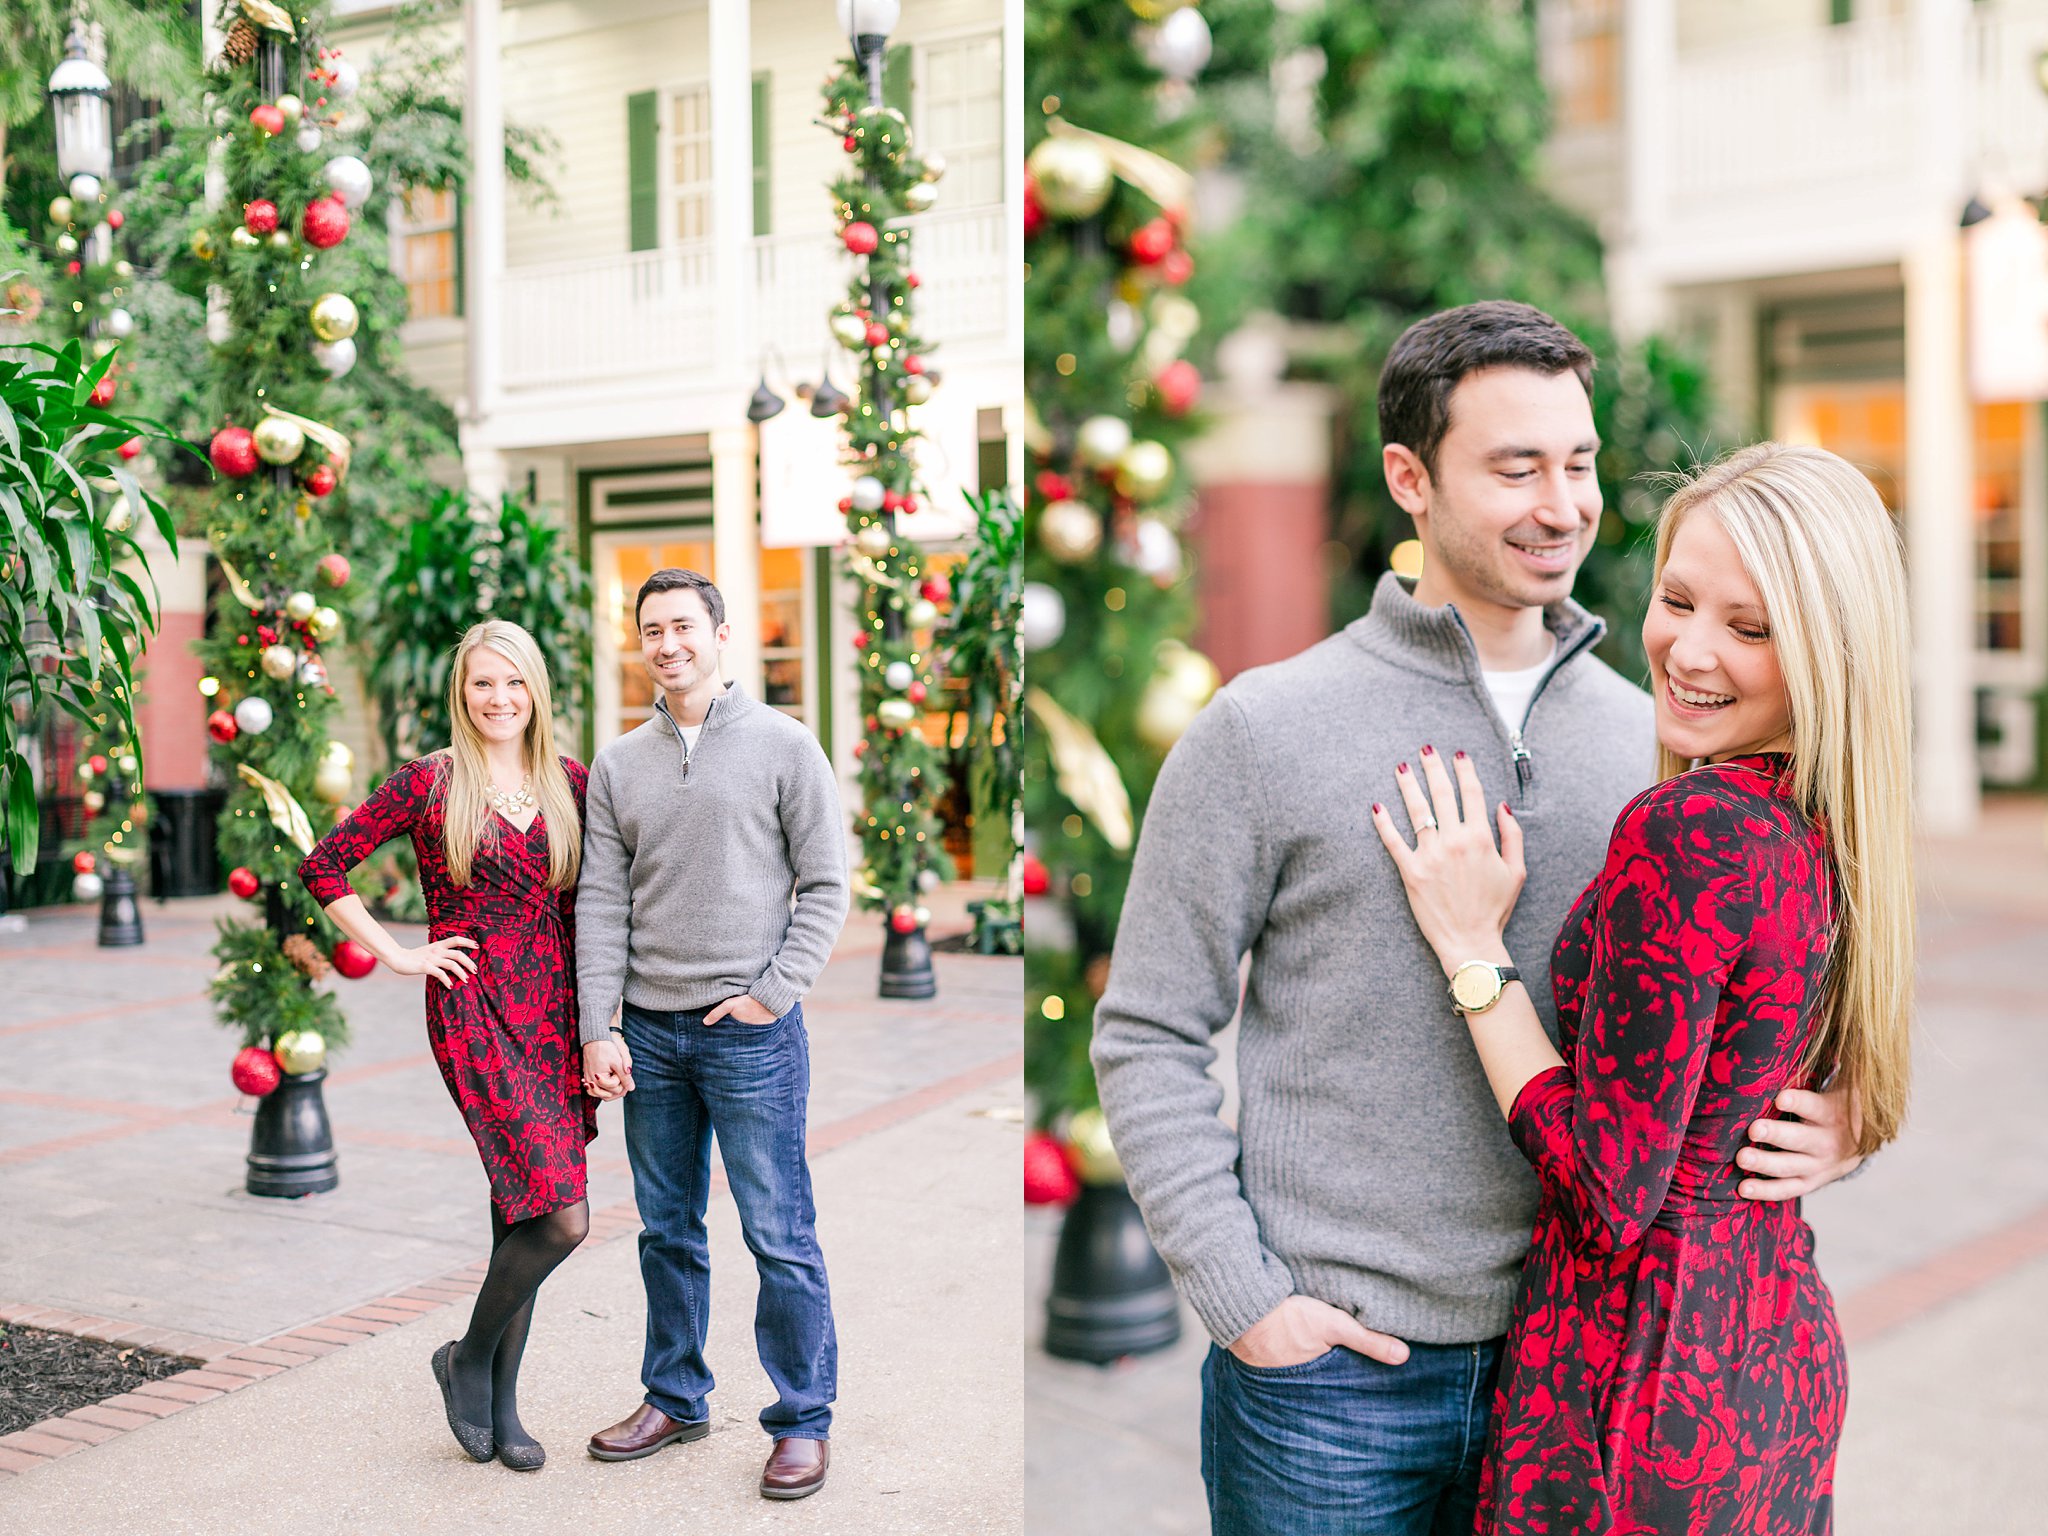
1673 1367
506 1037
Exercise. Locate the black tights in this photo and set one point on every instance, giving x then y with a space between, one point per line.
484 1368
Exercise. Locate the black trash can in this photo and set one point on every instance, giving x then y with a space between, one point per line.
183 857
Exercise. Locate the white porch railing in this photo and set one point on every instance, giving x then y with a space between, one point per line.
650 311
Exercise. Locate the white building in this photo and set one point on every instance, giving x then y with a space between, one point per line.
1786 181
602 351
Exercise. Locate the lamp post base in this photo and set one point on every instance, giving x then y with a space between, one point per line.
291 1147
1111 1293
907 965
120 913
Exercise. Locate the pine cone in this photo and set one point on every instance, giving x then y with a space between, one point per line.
305 954
239 47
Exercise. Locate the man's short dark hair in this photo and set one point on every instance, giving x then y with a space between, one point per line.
1433 356
674 579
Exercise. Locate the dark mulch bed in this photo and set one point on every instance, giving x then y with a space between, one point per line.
45 1374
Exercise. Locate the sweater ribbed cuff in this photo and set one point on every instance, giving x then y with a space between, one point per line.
773 993
1229 1299
593 1027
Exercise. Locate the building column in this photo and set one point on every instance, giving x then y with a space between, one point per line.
1013 184
736 548
732 189
1940 544
483 211
1649 67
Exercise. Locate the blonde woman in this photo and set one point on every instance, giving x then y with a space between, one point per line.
497 823
1673 1362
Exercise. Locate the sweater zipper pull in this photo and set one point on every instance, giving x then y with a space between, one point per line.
1524 769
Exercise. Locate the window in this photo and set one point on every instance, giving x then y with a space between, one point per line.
960 92
689 164
425 232
1583 62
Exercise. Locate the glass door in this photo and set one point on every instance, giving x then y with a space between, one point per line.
620 560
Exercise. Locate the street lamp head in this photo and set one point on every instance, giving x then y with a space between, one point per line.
78 94
1974 213
828 399
765 403
869 18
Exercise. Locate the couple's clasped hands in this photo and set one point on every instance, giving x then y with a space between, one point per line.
608 1064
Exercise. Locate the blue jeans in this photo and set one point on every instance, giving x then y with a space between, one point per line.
1345 1446
747 1084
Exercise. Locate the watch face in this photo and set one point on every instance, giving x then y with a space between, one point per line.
1474 986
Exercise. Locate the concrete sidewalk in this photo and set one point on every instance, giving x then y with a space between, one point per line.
120 1169
1937 1254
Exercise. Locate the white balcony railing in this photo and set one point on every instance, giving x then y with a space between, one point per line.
651 311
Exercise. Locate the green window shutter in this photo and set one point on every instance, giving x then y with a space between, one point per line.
896 78
761 154
461 256
643 134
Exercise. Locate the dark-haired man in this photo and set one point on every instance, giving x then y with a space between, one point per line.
713 887
1353 1244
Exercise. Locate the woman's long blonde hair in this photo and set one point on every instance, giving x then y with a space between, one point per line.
1825 556
466 808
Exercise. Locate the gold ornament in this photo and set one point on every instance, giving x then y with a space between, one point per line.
1086 773
94 800
1185 681
1102 441
280 241
920 196
1144 470
1094 1157
896 714
1191 674
916 389
292 108
922 614
242 239
286 814
849 331
336 444
1073 178
331 782
1070 531
61 210
326 623
934 167
334 316
278 441
299 606
300 1050
338 752
1156 10
279 662
203 245
874 540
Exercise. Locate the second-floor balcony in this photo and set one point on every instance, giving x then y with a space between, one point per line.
654 312
1830 147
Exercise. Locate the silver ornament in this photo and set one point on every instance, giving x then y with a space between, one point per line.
897 676
120 323
85 188
867 494
349 179
1102 440
337 357
919 196
1181 46
254 716
87 886
1044 618
308 138
346 80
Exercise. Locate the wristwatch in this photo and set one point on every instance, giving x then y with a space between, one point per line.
1477 985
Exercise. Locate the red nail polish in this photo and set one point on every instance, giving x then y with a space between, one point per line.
1505 809
1429 751
1460 757
1378 809
1401 768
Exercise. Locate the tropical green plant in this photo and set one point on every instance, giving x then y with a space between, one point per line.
985 660
454 565
72 619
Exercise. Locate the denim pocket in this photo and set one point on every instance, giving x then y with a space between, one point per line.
1328 1357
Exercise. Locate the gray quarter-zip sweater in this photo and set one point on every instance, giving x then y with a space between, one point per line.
1370 1167
708 872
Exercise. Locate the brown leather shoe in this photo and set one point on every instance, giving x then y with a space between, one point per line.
796 1469
643 1432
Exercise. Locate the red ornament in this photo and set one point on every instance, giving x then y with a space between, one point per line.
903 920
913 364
116 218
877 334
849 143
1053 486
334 570
96 763
1034 211
1179 384
913 279
915 693
243 882
909 506
268 118
1049 1177
845 505
233 452
1037 878
860 748
1151 241
860 640
319 481
892 501
265 635
74 269
1176 268
352 960
130 449
256 1071
326 222
220 725
259 217
935 589
861 238
103 392
82 862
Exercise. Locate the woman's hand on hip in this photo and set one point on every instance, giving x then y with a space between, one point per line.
1461 886
443 960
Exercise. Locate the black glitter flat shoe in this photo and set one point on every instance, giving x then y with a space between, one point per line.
475 1439
522 1455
